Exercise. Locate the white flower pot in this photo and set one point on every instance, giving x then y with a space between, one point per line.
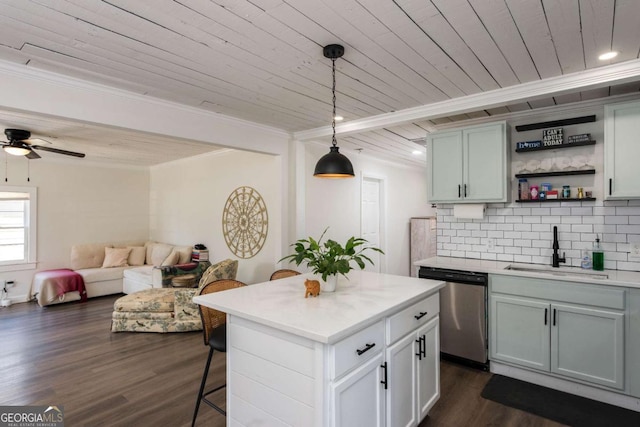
330 284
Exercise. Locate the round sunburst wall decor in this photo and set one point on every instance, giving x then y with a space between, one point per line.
245 222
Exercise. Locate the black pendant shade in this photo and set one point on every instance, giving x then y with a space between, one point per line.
334 164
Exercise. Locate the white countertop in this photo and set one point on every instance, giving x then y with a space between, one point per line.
628 279
358 302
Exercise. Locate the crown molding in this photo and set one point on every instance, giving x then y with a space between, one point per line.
620 73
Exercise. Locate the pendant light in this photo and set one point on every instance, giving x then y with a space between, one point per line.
334 164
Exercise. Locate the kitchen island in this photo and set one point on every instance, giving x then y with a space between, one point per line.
366 354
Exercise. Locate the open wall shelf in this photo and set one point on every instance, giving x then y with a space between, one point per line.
552 147
584 199
558 173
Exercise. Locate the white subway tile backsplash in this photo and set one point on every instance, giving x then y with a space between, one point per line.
504 257
514 219
531 235
593 219
541 227
571 220
522 258
524 234
531 219
551 219
560 211
487 226
582 211
522 227
582 228
505 227
629 229
602 210
628 211
622 219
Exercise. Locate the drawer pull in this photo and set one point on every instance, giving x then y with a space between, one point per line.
384 381
421 315
365 349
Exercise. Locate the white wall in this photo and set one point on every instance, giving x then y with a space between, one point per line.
188 198
78 203
335 203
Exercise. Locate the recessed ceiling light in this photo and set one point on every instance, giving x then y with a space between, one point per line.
608 55
417 152
338 118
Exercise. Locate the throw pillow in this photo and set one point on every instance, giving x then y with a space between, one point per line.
115 257
159 253
137 255
172 259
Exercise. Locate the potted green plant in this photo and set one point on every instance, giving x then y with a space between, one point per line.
330 258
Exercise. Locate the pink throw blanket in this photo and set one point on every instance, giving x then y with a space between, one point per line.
65 280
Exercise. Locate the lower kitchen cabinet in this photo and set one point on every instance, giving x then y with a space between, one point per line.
358 398
533 326
520 331
413 370
588 344
389 373
633 344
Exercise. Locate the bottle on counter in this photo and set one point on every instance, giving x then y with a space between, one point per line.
597 256
585 261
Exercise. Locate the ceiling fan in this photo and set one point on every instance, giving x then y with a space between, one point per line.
19 145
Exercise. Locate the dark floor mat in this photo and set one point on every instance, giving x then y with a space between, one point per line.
556 405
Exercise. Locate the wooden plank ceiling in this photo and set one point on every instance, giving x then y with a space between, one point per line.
261 60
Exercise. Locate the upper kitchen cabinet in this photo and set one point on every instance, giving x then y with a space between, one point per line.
621 150
468 164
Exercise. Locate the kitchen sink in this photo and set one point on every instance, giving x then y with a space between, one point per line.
557 271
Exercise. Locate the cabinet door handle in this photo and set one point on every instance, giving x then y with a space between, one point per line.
423 350
610 185
421 315
554 317
465 190
384 375
419 353
545 316
459 191
365 349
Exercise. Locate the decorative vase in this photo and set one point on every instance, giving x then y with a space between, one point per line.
330 284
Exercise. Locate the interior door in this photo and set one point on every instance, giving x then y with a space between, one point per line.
371 224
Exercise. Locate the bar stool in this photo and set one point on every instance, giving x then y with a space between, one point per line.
280 274
214 327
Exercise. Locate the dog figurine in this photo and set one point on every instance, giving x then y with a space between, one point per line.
313 288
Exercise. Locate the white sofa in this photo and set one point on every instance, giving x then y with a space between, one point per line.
139 271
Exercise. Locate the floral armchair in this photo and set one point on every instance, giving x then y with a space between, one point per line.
167 309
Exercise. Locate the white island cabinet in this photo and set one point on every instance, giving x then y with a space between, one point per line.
324 361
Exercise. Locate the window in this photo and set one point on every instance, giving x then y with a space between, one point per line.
17 226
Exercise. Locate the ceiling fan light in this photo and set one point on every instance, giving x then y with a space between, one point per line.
334 165
16 150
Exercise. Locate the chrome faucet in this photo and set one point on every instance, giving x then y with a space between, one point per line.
555 259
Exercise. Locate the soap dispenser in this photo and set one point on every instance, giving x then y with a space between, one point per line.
597 257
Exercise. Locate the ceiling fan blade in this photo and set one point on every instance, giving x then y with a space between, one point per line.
57 150
32 155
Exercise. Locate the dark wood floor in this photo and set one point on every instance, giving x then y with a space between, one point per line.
66 355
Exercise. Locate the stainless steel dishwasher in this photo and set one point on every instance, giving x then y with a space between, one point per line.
463 315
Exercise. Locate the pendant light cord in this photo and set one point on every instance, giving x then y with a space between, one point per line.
333 90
